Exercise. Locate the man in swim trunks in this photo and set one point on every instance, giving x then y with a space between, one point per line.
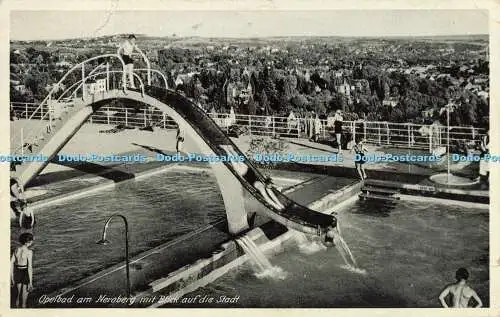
126 51
21 271
460 291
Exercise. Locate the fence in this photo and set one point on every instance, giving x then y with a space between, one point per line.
405 135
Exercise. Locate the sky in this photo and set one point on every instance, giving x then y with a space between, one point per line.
47 25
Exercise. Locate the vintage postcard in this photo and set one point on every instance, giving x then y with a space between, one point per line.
250 155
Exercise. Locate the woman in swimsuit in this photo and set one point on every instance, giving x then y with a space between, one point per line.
21 271
16 196
26 218
360 158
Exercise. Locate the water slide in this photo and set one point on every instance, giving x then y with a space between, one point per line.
279 207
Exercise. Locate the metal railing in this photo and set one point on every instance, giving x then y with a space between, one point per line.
46 102
407 135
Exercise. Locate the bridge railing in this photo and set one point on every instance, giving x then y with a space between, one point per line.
31 132
407 135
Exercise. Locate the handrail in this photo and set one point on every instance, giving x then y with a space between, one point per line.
155 71
44 101
70 71
68 89
148 64
80 83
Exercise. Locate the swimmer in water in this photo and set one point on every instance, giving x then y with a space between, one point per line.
460 291
330 237
21 270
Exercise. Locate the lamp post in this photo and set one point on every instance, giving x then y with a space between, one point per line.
103 241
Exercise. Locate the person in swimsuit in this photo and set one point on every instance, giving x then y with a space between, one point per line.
21 271
330 237
126 51
317 128
461 292
337 124
179 138
16 196
359 159
484 171
26 218
264 188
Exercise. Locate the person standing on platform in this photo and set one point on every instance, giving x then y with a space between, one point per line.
360 158
338 129
179 138
484 170
317 128
126 51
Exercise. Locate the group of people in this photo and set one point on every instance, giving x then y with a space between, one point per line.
22 259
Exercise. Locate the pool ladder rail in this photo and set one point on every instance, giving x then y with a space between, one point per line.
379 193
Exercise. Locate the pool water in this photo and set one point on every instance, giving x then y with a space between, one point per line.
409 251
65 248
159 209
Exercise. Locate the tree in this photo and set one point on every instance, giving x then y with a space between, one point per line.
265 103
299 101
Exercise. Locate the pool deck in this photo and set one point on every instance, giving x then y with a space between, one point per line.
64 175
131 142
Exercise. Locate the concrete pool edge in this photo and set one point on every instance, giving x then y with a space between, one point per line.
381 176
106 184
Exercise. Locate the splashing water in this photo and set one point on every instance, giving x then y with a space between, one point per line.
354 269
266 269
346 254
306 246
274 272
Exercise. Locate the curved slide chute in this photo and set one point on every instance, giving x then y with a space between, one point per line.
279 207
210 137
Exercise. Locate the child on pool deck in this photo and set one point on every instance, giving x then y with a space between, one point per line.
21 271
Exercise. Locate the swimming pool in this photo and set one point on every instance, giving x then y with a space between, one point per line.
159 209
410 252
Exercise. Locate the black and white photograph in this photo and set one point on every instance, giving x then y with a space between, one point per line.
249 159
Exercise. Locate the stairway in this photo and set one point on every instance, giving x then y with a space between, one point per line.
371 192
36 144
